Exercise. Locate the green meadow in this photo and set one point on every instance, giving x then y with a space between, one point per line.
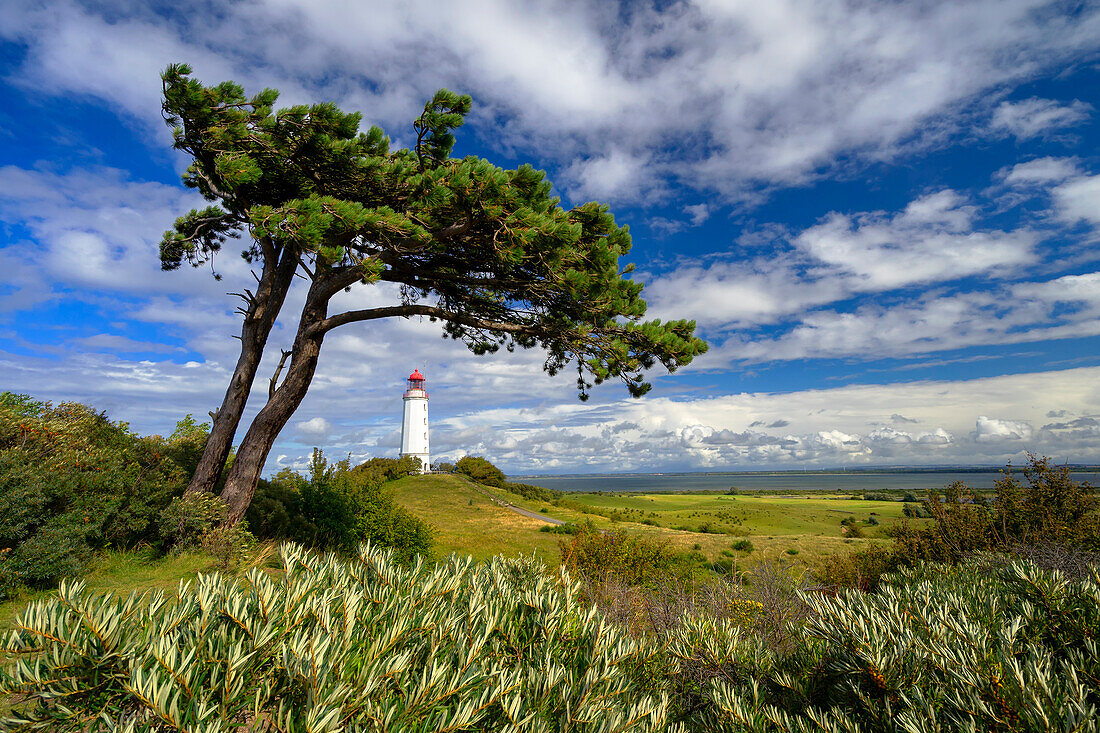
798 528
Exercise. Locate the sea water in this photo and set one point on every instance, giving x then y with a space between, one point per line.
788 480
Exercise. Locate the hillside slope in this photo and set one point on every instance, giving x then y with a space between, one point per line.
466 521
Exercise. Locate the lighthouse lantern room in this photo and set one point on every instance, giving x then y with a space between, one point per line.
414 425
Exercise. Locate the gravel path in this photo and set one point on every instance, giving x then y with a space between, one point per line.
509 505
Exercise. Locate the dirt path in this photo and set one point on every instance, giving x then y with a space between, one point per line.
509 505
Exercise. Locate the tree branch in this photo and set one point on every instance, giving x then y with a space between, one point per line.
405 311
278 370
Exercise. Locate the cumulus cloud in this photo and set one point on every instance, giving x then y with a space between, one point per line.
840 426
933 239
1078 199
1065 307
1041 171
315 427
987 429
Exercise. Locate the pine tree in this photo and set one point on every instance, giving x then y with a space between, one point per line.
486 251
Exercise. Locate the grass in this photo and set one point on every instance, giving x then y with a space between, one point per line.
468 522
807 523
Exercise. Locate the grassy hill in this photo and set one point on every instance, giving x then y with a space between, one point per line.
469 521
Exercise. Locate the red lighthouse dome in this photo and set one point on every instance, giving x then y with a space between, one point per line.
416 382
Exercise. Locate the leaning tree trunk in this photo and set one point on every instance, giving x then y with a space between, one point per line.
259 318
265 428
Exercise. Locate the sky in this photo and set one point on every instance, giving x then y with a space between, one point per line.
884 218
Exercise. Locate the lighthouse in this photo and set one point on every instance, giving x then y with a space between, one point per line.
414 424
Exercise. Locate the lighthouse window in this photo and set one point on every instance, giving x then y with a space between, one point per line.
425 421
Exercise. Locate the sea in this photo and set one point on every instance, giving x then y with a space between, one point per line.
781 480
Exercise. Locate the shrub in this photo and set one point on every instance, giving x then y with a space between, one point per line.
228 545
339 507
861 570
480 470
792 550
935 649
532 492
567 528
189 517
72 482
379 470
630 559
1051 509
459 646
743 546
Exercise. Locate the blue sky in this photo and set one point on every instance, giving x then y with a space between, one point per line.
884 218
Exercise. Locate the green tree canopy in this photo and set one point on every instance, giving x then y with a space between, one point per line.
488 252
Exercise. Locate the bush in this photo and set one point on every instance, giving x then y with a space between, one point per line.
935 649
534 493
862 570
189 517
73 482
333 645
228 545
1050 509
630 559
481 471
567 528
743 546
339 507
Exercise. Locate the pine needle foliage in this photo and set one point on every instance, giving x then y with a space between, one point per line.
333 645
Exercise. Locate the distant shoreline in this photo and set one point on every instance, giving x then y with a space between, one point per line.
877 479
884 471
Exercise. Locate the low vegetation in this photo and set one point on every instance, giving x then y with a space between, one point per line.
74 483
373 644
954 610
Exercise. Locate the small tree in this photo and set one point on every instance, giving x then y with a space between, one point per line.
486 251
480 470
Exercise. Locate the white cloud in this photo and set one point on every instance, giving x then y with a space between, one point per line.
825 427
987 429
1039 172
1035 117
714 95
315 427
699 213
1065 307
932 240
1079 200
617 176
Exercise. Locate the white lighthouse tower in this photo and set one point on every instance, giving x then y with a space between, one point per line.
414 425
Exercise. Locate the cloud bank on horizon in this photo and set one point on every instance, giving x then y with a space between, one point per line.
884 219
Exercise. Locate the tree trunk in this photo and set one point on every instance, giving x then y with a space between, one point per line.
259 318
265 428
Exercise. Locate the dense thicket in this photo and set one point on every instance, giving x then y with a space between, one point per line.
1048 517
376 645
337 507
72 481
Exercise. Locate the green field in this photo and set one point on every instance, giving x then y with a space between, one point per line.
807 523
468 522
